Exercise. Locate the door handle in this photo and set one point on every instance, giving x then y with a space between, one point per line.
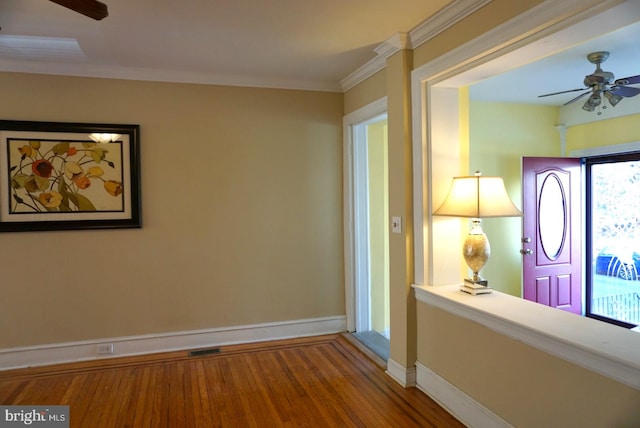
526 252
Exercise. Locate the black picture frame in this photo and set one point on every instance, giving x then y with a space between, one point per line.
54 176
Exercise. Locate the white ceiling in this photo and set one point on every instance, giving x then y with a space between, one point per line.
307 44
559 62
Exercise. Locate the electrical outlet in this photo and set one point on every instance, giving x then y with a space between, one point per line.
105 349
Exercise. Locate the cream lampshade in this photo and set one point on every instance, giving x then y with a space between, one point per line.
477 197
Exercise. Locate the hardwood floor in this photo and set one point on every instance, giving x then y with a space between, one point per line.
322 381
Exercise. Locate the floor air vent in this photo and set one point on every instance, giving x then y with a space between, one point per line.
201 352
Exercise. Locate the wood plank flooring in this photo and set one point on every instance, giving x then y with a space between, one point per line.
322 381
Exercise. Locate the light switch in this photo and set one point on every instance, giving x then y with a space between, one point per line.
396 224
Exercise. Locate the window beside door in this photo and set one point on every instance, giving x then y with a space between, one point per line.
613 238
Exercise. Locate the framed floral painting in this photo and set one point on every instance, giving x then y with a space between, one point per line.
66 176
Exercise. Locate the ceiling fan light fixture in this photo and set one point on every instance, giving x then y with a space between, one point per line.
588 107
612 98
593 102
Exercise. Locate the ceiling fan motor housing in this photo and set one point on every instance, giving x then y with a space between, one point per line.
598 79
599 76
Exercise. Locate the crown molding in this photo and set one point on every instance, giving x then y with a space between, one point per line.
162 75
441 21
393 44
363 73
450 15
542 20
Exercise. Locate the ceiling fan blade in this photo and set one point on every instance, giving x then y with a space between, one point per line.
577 98
561 92
91 8
625 91
628 80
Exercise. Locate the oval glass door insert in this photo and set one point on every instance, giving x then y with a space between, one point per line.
552 221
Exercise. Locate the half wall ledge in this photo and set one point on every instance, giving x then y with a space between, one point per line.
603 348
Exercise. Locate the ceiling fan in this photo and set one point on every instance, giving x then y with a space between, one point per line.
91 8
599 84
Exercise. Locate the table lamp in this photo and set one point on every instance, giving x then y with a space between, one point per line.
477 197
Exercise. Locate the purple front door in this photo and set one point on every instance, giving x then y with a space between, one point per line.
551 244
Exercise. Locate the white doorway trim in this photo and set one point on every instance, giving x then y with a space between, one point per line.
436 153
356 248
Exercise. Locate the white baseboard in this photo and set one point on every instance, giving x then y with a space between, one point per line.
12 358
405 376
464 408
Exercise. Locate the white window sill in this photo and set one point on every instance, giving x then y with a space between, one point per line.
603 348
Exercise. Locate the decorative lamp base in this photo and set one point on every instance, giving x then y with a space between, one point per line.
475 287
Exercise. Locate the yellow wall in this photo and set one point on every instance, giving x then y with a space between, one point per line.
366 92
524 386
379 224
241 206
403 325
620 130
500 135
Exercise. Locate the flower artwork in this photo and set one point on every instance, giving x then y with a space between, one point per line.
69 176
48 176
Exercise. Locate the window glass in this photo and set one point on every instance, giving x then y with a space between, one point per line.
613 231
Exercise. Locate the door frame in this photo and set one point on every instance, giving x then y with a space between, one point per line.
356 248
611 150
